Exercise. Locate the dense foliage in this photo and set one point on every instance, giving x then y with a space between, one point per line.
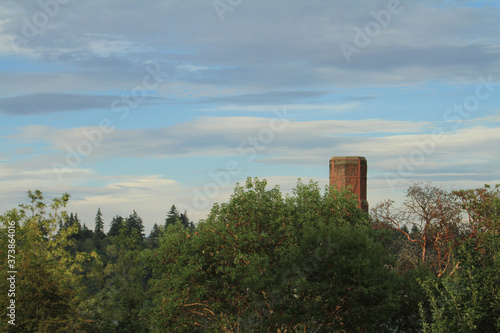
310 261
306 261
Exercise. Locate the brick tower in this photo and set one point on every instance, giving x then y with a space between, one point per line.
350 170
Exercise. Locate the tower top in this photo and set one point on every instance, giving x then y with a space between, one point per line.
350 171
361 158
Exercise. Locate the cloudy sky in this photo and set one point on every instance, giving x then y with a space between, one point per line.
144 104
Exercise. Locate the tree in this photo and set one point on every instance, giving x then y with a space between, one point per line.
116 225
134 227
37 205
172 216
86 233
185 220
482 207
70 220
117 303
48 283
99 225
435 219
467 299
155 233
305 262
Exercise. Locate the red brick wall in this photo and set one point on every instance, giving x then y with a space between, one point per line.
350 171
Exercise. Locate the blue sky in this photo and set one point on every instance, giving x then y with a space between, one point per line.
144 104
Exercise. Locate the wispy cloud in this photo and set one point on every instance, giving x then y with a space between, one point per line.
267 98
299 107
35 104
217 135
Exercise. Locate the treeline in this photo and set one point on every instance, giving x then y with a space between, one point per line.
310 261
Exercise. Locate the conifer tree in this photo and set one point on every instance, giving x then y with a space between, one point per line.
70 220
134 224
99 224
172 216
116 225
155 233
185 220
85 233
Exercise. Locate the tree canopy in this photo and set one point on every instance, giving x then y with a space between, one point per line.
265 261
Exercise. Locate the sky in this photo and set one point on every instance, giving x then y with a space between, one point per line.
144 104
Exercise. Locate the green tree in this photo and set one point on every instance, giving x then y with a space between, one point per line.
117 305
86 233
70 220
134 224
154 236
185 220
134 227
99 225
48 283
116 226
467 299
155 232
268 262
173 216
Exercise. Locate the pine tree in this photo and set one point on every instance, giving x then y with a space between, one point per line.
99 224
70 220
85 233
134 224
77 221
185 220
172 216
155 233
116 225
